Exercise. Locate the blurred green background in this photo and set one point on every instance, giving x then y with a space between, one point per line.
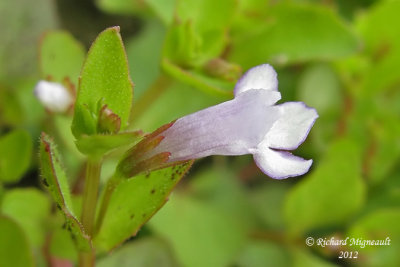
341 57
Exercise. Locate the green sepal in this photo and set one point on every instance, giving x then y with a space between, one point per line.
108 122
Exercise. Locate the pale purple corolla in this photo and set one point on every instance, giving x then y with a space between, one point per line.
248 124
53 96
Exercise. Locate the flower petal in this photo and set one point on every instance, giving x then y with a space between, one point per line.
280 164
230 128
292 127
259 77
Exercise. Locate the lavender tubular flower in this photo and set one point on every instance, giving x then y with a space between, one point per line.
248 124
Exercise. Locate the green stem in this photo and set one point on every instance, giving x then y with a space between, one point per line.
90 195
110 187
89 206
86 259
152 93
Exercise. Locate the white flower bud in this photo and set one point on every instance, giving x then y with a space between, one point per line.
54 96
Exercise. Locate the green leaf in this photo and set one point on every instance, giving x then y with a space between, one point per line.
220 188
198 36
378 225
381 77
303 258
10 108
144 55
163 9
126 7
317 33
32 110
386 194
382 45
61 56
15 155
331 194
199 32
1 193
29 208
182 45
14 245
254 6
142 252
104 78
62 246
54 178
134 202
72 157
267 201
320 88
200 234
97 145
207 15
377 129
263 254
373 25
198 80
384 152
23 21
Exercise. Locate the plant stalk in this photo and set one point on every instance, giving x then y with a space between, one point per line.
152 93
87 259
90 194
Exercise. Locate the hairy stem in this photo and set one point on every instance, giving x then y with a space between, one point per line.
89 203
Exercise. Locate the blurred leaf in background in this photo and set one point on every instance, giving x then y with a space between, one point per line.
61 57
29 208
14 246
15 155
294 33
146 252
331 194
23 23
